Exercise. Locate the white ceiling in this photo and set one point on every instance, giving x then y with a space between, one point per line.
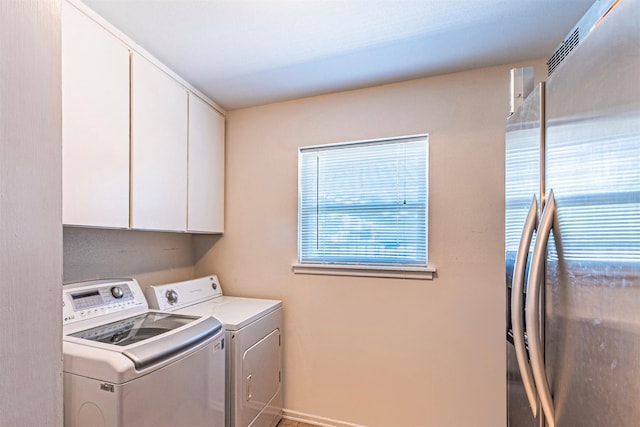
248 52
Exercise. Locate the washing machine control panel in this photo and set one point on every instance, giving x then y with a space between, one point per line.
100 297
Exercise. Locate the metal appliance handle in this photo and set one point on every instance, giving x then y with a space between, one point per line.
249 395
533 308
155 351
517 305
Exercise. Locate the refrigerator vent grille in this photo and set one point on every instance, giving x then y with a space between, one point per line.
563 50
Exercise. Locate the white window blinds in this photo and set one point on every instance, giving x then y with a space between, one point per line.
364 203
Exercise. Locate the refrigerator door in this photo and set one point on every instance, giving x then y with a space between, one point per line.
522 169
593 266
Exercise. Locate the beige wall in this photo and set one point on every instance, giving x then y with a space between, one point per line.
30 214
380 352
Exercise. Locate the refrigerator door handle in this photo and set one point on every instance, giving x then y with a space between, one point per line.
517 305
536 272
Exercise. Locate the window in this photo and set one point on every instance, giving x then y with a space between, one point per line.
362 207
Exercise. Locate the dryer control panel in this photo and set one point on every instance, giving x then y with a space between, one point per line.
177 295
86 300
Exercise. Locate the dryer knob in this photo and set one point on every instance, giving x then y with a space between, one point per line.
172 296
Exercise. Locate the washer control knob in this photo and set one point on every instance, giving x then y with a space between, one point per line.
172 296
116 291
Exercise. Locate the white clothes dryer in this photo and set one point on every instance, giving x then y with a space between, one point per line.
253 338
126 365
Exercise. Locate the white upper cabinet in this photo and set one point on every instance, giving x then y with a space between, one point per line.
140 149
206 168
158 149
95 124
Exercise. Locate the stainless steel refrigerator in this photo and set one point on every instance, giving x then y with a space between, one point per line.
573 234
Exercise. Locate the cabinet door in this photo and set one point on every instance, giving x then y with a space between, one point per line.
158 149
95 124
206 168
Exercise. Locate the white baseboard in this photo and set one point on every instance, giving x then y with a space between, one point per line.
315 420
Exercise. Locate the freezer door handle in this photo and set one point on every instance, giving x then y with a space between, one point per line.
536 277
517 303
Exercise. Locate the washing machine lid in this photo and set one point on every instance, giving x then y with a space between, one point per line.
234 312
107 323
146 339
118 364
134 329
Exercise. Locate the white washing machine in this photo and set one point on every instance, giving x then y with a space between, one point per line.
126 365
253 337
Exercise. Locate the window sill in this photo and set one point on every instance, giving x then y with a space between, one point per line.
428 273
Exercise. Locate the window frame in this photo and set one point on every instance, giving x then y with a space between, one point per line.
365 270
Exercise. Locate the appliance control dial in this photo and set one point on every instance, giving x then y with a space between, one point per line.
172 296
117 292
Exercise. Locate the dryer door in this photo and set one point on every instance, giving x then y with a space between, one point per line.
261 375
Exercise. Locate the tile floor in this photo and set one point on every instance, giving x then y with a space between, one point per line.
290 423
